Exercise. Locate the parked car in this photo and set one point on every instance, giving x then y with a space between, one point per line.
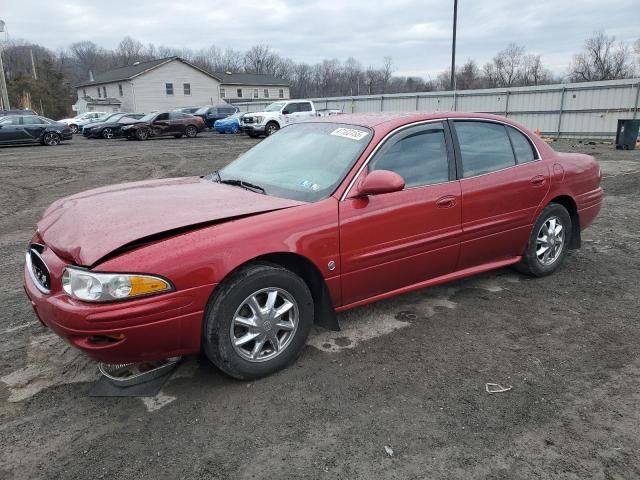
164 123
231 124
276 116
16 129
189 110
17 111
325 216
211 113
76 122
110 128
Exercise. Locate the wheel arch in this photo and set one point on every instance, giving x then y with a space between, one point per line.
325 314
570 204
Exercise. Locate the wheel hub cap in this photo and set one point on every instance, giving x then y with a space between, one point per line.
550 241
264 324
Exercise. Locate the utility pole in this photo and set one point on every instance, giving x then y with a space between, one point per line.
4 95
453 46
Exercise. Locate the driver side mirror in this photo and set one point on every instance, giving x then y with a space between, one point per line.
285 112
379 182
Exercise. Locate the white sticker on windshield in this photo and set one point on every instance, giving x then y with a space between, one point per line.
351 133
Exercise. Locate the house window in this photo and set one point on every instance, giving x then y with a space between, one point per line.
99 93
169 88
255 93
281 93
104 92
239 93
266 93
120 89
187 88
223 94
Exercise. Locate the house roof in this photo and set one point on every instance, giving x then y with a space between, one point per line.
139 68
249 79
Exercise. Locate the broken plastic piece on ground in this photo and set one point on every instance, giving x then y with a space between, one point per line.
128 374
497 388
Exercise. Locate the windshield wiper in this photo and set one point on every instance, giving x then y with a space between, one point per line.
214 176
243 184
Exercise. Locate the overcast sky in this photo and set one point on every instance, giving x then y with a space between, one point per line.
417 34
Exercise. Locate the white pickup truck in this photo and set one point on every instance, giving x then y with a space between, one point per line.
276 116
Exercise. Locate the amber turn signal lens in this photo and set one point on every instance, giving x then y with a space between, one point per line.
147 285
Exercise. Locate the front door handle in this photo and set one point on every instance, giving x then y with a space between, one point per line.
446 202
538 180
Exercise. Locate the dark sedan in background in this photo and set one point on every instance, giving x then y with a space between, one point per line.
164 123
211 113
19 129
112 127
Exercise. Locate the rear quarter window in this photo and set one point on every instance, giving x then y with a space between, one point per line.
522 146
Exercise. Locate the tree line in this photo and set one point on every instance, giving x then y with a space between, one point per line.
46 78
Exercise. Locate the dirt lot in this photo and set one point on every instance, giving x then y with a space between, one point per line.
408 373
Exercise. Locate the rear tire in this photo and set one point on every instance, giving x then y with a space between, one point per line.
243 298
74 128
548 243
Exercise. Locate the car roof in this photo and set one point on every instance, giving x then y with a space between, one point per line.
391 120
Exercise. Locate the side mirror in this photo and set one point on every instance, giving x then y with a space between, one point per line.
380 181
285 112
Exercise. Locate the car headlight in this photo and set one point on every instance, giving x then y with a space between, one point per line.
259 119
108 287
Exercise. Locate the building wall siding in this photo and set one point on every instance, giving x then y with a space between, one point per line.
231 94
149 92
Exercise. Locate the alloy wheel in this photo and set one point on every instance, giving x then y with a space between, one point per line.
107 133
550 241
51 139
191 132
264 324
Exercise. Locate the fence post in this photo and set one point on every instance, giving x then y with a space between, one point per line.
564 89
381 103
353 105
635 109
455 101
417 103
506 106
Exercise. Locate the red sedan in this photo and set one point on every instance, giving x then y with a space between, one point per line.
322 217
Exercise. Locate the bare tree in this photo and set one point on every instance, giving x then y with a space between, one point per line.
129 51
260 59
386 72
508 65
602 59
533 71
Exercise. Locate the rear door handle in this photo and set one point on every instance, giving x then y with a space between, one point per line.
538 180
446 202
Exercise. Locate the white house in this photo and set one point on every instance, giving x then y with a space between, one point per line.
169 83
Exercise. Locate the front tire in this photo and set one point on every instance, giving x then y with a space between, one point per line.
191 131
257 321
51 139
548 243
142 134
107 133
74 128
271 128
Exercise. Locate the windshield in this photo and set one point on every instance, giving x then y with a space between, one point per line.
305 161
202 110
148 117
274 107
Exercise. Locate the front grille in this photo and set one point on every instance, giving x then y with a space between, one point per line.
38 268
247 119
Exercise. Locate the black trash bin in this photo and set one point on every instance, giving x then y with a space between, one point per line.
627 134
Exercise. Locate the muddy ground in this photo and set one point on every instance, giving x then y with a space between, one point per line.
408 374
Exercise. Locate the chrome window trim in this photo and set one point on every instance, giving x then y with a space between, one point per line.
380 144
35 281
423 122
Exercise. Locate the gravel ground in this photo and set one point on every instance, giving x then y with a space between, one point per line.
398 393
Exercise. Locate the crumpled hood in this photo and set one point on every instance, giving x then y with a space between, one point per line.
89 225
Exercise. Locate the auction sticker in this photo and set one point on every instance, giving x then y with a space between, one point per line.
351 133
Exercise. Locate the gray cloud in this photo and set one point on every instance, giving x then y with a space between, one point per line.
416 33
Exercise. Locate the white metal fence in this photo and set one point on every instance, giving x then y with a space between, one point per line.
589 109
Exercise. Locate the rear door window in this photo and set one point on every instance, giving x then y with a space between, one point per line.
304 107
521 146
484 147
